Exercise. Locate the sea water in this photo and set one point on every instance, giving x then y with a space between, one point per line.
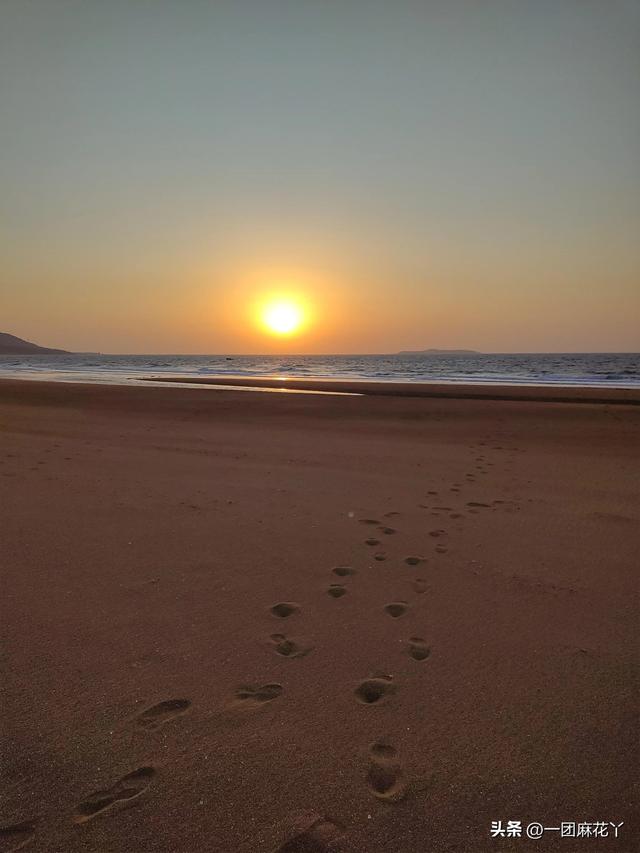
613 370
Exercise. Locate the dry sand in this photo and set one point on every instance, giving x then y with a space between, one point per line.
239 622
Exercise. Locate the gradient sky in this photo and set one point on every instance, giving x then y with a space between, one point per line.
427 174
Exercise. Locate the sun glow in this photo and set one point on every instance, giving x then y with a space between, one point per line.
282 316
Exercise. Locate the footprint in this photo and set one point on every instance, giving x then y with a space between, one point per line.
315 834
337 590
284 609
125 789
388 531
368 521
420 585
381 751
374 690
380 556
391 514
437 533
441 549
371 542
344 571
289 648
385 781
414 561
418 649
476 503
251 695
384 776
158 714
16 836
396 608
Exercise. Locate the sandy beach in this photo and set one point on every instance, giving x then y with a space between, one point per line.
237 622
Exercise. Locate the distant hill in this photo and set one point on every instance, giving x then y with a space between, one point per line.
10 345
439 352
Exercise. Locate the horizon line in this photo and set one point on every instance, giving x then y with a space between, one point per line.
435 351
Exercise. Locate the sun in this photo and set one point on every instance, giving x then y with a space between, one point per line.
282 317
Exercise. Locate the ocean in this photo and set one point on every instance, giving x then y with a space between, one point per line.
613 370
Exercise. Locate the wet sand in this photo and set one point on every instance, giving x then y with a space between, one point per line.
242 622
444 390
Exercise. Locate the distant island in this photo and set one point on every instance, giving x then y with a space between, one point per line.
438 352
10 345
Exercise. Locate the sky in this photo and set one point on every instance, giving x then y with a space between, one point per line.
442 173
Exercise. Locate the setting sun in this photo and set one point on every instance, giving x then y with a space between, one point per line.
282 316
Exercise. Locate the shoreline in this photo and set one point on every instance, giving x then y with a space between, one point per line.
436 390
532 393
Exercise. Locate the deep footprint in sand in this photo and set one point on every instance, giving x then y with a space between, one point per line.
371 542
418 649
414 560
285 609
368 521
420 585
388 531
158 714
374 690
344 571
396 609
337 590
289 648
251 695
384 776
380 556
16 836
315 834
125 789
